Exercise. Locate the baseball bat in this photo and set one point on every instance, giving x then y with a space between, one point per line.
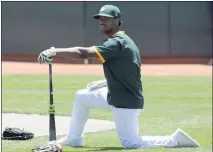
52 127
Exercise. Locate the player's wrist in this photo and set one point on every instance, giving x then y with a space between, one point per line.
53 51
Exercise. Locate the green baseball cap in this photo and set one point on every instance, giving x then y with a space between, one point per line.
108 11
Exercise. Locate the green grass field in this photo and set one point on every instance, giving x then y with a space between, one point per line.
170 102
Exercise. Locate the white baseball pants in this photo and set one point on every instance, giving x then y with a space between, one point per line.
129 135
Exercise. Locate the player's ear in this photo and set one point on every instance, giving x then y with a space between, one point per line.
120 22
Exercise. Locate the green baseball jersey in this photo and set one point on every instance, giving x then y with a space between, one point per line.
121 63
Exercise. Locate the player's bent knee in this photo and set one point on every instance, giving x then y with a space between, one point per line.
81 95
82 92
81 98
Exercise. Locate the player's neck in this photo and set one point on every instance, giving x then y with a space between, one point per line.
110 35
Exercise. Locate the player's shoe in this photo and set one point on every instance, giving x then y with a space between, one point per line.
50 146
65 142
183 139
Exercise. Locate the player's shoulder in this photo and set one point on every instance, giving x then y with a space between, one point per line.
111 41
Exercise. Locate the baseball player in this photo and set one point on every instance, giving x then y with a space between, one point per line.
121 92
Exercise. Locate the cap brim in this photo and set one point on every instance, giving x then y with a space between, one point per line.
104 15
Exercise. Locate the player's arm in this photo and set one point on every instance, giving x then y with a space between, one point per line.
76 52
106 51
72 52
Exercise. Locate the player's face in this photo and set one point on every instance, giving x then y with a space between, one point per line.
107 24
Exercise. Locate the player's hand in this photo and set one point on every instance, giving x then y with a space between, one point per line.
42 59
46 56
49 52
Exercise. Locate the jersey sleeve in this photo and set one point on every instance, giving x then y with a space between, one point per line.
107 50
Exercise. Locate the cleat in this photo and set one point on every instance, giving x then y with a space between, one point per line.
183 139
